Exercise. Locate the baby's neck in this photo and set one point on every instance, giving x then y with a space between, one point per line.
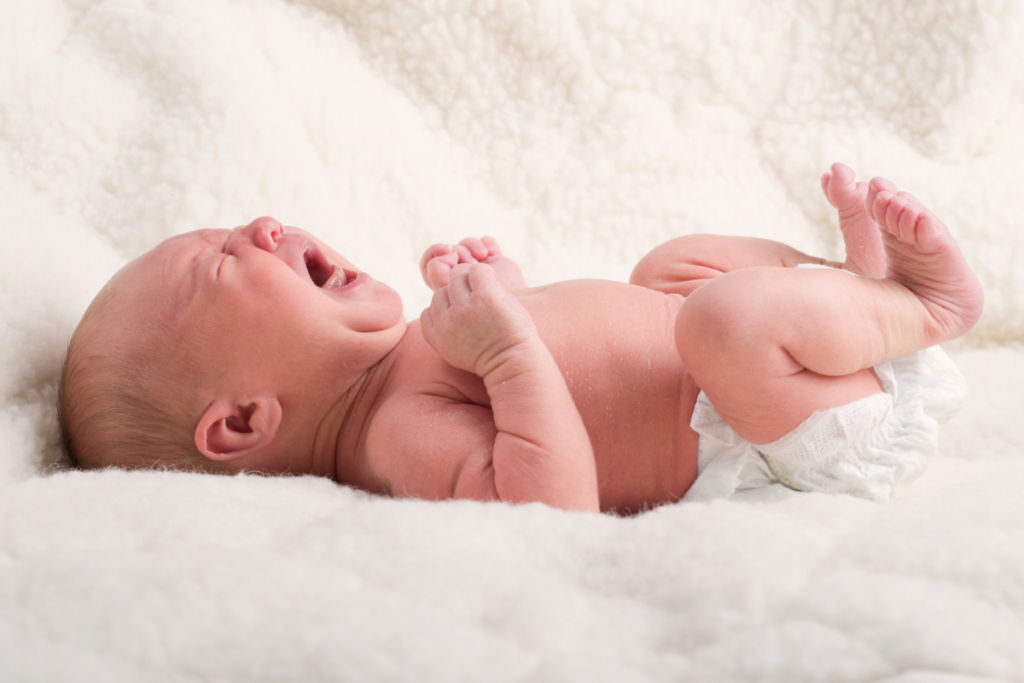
339 444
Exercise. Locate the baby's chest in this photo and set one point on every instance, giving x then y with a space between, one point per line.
433 428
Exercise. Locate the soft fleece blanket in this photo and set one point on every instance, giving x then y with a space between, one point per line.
580 134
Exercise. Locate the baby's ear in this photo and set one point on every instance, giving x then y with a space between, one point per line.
229 429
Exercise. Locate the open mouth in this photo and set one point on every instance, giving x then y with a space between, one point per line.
323 273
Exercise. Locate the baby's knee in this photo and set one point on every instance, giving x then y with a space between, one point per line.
674 267
723 319
648 270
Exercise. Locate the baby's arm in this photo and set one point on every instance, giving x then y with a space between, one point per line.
685 263
441 261
542 451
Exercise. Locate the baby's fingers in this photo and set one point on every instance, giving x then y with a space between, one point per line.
481 276
432 252
481 248
492 245
460 269
434 315
475 247
467 279
459 290
437 273
464 253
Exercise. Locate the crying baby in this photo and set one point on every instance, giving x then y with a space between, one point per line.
725 363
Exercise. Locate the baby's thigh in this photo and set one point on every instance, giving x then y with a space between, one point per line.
729 336
763 410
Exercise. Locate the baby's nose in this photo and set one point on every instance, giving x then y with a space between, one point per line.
264 232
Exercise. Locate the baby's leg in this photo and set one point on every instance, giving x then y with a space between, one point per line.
865 254
685 263
771 346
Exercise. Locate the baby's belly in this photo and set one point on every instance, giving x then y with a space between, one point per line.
615 345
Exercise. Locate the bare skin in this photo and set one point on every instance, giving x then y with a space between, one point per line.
764 374
576 394
865 254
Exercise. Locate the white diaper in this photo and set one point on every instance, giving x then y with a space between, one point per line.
865 448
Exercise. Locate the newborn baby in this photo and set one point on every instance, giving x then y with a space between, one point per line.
262 349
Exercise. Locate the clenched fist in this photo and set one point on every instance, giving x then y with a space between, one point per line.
474 322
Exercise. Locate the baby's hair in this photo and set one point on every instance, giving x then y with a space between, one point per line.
122 406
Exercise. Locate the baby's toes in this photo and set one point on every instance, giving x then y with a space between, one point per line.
879 206
876 186
929 230
886 210
840 187
882 185
908 219
897 207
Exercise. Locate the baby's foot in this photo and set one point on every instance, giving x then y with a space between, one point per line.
924 257
865 254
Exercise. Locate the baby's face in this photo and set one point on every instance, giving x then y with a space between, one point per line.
263 308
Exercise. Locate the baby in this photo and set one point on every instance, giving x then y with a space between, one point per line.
262 349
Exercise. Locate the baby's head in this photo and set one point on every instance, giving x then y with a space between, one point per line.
223 350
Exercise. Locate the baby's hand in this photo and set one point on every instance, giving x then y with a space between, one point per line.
474 321
441 261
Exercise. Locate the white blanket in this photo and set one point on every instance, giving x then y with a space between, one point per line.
580 134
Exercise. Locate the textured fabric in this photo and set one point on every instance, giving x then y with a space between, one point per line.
580 134
866 448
